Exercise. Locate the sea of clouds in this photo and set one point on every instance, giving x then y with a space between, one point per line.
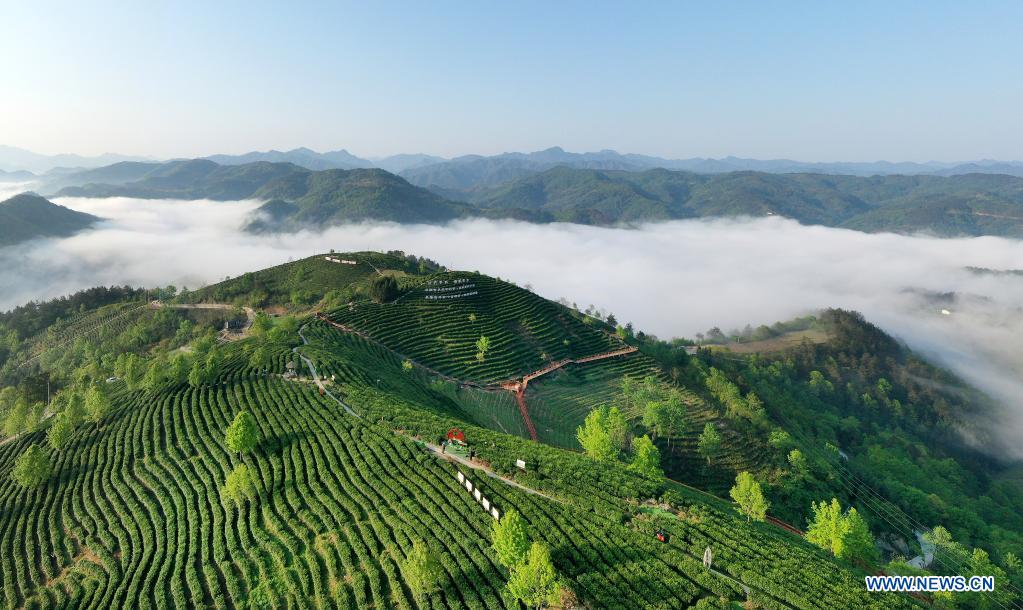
670 279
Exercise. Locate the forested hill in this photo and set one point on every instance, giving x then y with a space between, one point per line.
280 447
336 196
28 216
971 204
968 204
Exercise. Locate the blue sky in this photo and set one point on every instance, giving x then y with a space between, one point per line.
815 81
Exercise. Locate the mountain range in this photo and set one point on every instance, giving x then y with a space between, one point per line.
469 171
970 204
28 216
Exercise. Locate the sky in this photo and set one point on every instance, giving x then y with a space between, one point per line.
813 81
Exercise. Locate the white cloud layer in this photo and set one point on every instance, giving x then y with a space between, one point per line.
671 279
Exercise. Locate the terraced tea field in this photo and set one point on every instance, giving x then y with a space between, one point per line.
525 331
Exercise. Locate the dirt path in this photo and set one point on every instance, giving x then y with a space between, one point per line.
487 470
250 316
316 376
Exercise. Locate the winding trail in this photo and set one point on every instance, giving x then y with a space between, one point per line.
316 376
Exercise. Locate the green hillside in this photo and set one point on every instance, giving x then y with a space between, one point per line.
439 321
28 216
601 192
344 478
336 196
970 204
191 179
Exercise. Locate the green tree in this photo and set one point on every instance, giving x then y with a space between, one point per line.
32 467
646 458
97 404
750 498
60 431
675 414
406 366
510 539
134 371
827 529
422 570
260 358
482 345
75 409
800 467
17 418
197 376
602 433
241 435
384 289
655 416
238 486
710 442
156 374
846 535
535 583
859 542
178 369
213 364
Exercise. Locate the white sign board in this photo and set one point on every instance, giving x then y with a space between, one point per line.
468 484
461 478
521 464
476 494
494 513
486 504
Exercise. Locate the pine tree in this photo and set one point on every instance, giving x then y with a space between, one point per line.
750 498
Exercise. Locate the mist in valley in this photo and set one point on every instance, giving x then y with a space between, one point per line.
670 279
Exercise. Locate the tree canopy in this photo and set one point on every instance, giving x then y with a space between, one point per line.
238 486
32 467
242 435
535 582
750 498
602 434
646 458
510 538
422 570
